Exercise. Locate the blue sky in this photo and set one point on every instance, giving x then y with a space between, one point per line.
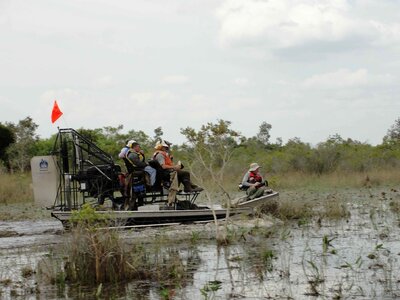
310 68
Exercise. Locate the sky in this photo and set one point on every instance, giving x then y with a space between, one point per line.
310 68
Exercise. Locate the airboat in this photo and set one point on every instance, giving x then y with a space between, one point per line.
78 172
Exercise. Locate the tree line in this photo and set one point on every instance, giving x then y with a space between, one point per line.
216 149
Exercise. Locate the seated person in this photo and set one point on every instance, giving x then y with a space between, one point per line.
163 157
253 182
124 150
135 161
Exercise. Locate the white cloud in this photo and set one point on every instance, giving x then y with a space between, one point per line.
144 64
66 95
103 82
9 109
175 79
339 78
386 33
245 104
289 23
241 82
345 78
141 99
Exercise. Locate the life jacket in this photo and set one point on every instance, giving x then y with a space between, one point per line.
167 158
130 165
254 177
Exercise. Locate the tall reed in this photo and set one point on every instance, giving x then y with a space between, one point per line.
94 254
15 188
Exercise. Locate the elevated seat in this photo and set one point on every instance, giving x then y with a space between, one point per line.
138 193
162 176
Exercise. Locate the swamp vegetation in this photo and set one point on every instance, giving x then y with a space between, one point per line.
333 233
333 243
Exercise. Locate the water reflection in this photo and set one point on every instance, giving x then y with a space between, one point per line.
356 257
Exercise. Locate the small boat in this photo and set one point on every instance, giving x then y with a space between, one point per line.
82 173
154 214
257 202
154 217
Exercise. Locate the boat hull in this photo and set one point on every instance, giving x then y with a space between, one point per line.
128 218
257 202
154 217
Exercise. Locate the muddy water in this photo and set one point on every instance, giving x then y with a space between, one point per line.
356 257
22 245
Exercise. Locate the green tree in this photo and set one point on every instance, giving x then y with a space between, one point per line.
212 148
263 134
21 152
142 138
44 146
158 133
6 139
393 133
297 154
93 135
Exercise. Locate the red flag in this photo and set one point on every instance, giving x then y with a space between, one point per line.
56 113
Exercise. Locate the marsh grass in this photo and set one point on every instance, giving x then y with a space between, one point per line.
22 211
337 179
93 256
334 207
310 204
300 208
395 204
15 188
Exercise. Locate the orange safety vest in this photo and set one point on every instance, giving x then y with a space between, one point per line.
167 158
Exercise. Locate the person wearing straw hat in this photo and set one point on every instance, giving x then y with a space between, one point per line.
163 156
253 182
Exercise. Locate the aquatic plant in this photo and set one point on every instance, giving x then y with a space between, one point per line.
194 237
326 243
88 217
267 257
210 288
93 256
314 278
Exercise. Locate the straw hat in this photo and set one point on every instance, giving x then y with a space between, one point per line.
161 144
254 166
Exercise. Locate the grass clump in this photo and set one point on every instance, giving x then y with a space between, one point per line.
294 209
15 188
334 208
27 272
93 255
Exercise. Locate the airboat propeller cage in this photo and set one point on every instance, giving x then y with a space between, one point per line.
85 171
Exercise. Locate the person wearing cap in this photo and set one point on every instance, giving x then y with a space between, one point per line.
253 182
124 150
135 160
164 158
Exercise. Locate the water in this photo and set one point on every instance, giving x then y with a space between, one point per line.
356 257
